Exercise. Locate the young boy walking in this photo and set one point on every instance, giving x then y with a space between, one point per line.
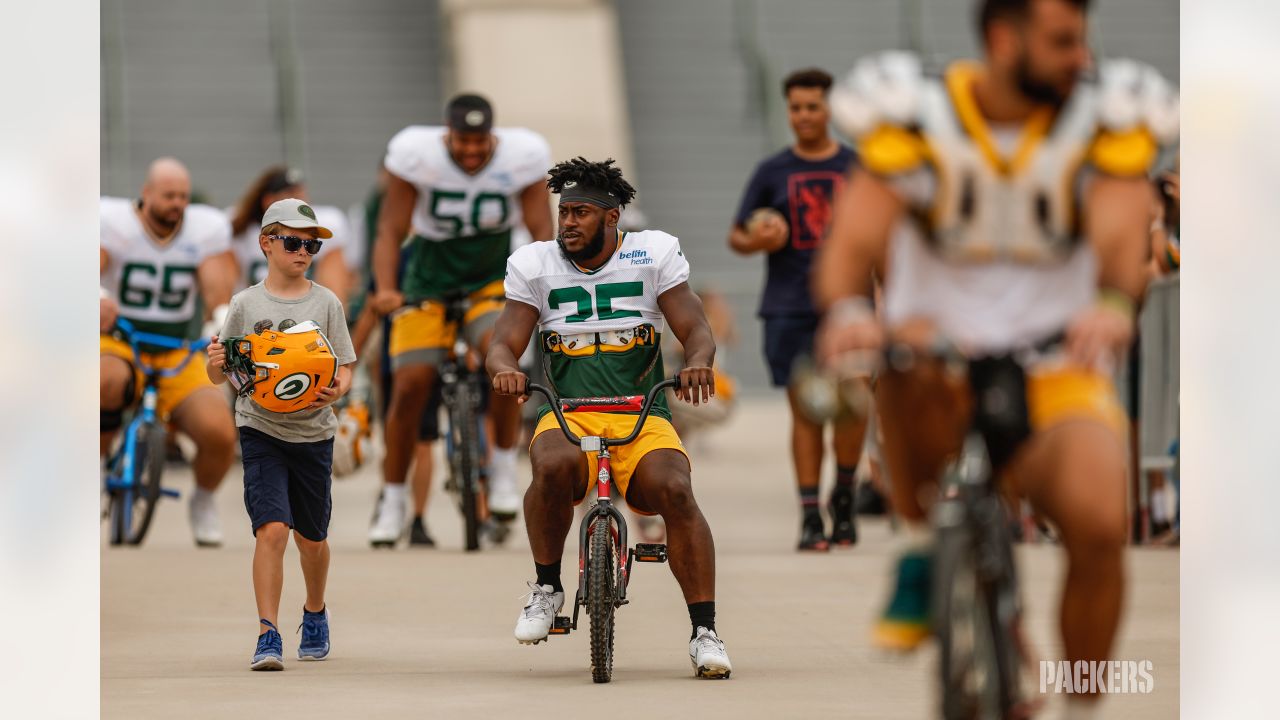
288 457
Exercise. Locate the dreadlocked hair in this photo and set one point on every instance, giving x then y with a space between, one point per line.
591 174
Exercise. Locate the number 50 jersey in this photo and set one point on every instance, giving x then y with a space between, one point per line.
462 222
156 284
601 331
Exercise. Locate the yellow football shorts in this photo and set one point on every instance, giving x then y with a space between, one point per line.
658 434
1061 394
170 391
420 335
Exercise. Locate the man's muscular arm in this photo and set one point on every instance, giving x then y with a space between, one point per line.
683 311
510 337
393 226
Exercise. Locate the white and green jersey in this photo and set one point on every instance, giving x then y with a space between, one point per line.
462 223
253 264
155 284
601 331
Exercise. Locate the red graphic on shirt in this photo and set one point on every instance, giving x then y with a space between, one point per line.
809 194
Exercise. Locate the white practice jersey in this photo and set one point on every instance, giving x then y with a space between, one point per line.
453 203
253 264
155 284
992 247
600 330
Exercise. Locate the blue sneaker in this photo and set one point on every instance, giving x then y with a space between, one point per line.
270 652
315 635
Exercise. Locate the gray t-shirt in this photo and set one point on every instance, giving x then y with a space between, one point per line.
253 305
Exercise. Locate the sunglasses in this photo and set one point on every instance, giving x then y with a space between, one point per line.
293 243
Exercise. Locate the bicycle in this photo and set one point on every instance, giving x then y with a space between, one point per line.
974 604
132 485
462 387
604 558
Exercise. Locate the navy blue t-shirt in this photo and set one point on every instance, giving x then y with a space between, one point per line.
802 190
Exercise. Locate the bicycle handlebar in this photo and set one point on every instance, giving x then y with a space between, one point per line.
901 355
644 404
136 337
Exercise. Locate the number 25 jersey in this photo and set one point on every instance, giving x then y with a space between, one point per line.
600 331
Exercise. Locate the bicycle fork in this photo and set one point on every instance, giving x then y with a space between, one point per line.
626 556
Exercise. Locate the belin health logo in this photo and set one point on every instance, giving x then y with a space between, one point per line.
637 257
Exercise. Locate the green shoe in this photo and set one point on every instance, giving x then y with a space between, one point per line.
905 622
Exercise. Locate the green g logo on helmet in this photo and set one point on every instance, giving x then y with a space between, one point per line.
292 387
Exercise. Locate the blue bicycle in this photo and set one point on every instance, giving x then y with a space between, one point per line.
132 486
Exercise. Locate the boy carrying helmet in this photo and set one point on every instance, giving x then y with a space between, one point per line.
286 349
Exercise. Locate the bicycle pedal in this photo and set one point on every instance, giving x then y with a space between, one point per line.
170 493
650 552
561 626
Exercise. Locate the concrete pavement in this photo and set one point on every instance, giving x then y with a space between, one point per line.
427 633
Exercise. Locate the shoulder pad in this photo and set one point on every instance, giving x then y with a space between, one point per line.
207 216
1133 95
529 142
407 151
879 90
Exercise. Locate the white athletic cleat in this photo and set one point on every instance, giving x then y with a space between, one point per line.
388 520
203 513
535 620
504 491
706 652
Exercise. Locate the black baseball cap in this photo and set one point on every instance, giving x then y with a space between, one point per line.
470 113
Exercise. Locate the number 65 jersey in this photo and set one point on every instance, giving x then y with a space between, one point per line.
155 284
600 331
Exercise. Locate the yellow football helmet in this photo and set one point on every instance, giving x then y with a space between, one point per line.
351 443
282 371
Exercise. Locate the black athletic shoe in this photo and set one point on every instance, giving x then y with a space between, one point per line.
870 501
843 531
495 532
418 534
813 537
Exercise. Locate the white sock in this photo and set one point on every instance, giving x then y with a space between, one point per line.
201 495
1080 710
394 492
1159 506
503 460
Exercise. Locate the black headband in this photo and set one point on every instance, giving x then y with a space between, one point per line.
577 192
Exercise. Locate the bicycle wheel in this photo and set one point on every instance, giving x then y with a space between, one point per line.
133 507
1003 613
463 424
962 612
602 572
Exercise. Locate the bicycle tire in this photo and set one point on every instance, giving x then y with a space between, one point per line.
962 608
1003 609
144 492
463 422
116 519
602 574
